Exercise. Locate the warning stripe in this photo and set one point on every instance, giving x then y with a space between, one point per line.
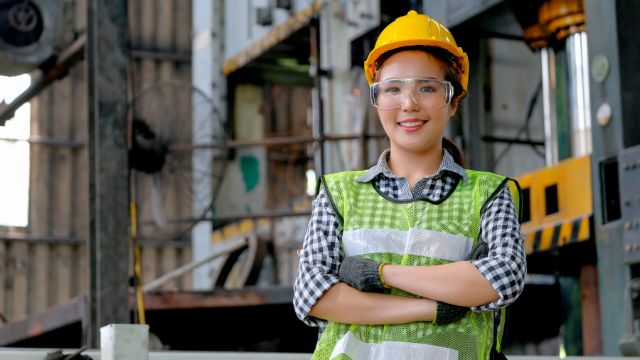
559 234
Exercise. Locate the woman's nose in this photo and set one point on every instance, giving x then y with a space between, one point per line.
409 101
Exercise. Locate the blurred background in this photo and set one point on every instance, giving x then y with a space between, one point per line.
159 159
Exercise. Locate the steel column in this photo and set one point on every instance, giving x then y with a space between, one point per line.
316 98
475 118
108 183
547 59
578 94
612 42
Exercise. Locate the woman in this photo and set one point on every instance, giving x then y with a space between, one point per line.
392 259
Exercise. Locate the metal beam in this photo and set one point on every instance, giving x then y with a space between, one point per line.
278 33
108 167
246 296
462 11
38 324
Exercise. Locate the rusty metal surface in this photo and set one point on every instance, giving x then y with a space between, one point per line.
248 296
34 325
74 310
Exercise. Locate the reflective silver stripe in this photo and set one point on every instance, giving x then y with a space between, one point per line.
396 350
419 242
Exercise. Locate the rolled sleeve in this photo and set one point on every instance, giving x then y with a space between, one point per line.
506 264
319 259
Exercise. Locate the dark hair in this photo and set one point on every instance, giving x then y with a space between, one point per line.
452 70
455 152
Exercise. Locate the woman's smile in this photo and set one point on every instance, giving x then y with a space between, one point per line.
412 124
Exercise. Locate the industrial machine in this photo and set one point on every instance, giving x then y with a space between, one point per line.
580 209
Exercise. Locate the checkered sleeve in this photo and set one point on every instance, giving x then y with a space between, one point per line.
319 259
506 265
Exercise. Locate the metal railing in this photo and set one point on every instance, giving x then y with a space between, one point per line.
39 354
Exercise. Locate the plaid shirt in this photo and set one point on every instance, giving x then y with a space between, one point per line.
505 267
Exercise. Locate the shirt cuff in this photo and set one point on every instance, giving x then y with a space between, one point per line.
306 295
487 268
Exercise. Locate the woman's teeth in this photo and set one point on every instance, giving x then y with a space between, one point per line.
412 123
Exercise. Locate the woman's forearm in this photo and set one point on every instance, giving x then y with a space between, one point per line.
458 283
344 304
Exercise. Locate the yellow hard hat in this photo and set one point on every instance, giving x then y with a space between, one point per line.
416 29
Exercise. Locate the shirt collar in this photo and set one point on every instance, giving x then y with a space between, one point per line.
382 167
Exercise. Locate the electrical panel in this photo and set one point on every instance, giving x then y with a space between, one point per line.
629 180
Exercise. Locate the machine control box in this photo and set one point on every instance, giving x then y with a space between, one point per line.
629 180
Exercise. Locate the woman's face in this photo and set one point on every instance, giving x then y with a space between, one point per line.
414 126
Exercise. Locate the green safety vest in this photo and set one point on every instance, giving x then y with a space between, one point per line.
409 232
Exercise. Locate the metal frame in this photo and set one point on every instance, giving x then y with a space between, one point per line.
39 354
611 27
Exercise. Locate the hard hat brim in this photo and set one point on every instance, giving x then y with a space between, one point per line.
370 63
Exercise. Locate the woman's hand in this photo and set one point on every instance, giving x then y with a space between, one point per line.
361 273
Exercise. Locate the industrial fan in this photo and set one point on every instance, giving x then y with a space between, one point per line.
177 158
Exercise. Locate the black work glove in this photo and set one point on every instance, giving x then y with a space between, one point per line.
447 313
361 273
481 250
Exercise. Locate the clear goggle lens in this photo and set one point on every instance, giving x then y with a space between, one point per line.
429 93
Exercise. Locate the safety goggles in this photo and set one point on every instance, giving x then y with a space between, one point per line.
427 92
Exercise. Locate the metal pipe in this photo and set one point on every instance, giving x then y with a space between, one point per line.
547 59
232 217
217 250
490 138
37 140
40 80
578 94
273 141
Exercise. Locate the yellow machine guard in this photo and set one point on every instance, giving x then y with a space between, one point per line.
560 206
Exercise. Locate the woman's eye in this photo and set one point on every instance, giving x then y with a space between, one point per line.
392 90
428 89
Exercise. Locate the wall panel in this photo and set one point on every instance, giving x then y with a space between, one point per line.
46 263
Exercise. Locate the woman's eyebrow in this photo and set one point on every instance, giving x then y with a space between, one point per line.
412 78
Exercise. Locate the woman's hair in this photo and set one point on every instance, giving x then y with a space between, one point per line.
455 152
452 68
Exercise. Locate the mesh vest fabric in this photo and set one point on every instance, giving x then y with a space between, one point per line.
410 233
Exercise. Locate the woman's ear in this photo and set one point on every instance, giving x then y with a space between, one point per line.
453 107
